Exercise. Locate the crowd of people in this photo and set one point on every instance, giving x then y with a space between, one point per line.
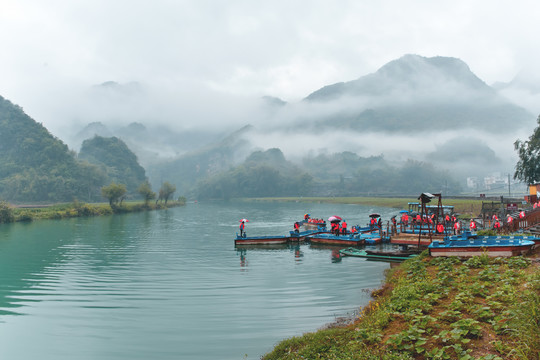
449 223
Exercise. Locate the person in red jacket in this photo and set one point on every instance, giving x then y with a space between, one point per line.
457 227
440 228
242 227
472 225
344 227
335 228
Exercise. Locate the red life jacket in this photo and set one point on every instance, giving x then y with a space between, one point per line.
472 225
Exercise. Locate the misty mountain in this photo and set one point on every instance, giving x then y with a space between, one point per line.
340 165
273 101
115 159
413 94
522 81
35 166
523 90
464 147
151 143
268 173
263 173
93 129
204 161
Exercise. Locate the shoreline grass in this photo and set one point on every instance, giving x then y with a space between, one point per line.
10 214
438 308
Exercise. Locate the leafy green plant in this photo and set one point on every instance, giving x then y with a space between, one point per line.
468 327
411 340
518 262
482 313
450 315
6 213
478 261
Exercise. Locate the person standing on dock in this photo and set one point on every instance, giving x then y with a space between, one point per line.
472 225
335 228
344 227
457 227
242 227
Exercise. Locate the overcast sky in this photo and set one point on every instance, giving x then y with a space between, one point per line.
283 48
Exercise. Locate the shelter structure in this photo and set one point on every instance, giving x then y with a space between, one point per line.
425 198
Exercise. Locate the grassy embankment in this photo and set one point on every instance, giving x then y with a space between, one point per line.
9 213
438 308
465 207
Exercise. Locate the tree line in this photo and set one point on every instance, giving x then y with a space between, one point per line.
115 193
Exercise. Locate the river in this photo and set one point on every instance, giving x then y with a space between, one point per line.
170 284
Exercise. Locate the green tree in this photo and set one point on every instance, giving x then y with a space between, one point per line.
114 193
528 165
146 192
6 213
166 191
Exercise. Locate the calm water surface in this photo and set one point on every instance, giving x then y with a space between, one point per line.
171 285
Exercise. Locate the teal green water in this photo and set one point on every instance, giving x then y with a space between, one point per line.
171 285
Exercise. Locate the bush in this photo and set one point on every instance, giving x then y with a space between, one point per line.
24 216
6 213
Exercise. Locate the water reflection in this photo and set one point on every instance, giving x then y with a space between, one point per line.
243 260
242 251
336 256
298 254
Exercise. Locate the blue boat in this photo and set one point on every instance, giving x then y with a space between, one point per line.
469 244
332 239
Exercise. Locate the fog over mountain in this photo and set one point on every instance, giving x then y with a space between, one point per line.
427 109
523 90
413 107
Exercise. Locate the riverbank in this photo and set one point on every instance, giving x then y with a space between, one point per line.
466 207
10 213
438 308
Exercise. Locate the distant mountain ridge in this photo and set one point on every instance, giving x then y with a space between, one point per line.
408 73
415 93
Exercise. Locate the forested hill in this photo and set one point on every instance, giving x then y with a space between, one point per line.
36 166
115 159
